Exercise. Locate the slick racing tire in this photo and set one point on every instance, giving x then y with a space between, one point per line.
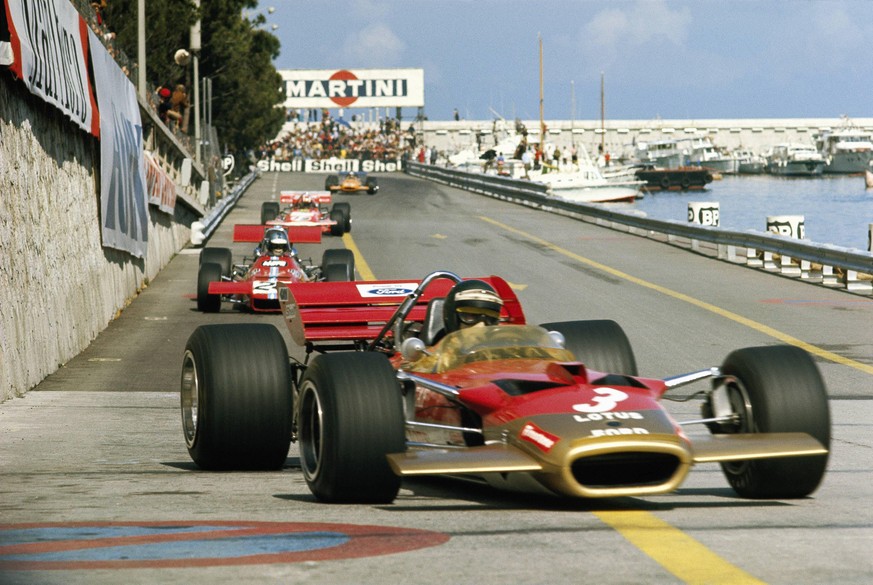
344 259
209 272
372 186
350 417
776 389
338 228
236 398
221 256
269 211
331 181
346 209
599 344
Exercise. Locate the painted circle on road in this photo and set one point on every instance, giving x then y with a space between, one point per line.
120 545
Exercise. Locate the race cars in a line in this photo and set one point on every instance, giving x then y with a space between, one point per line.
308 208
253 283
351 182
444 376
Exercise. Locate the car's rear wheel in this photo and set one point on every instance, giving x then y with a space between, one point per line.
347 215
221 256
338 228
331 181
600 344
208 272
372 186
775 389
269 211
338 264
350 417
236 397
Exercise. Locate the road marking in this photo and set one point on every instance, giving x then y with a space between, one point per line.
674 550
761 328
124 545
360 263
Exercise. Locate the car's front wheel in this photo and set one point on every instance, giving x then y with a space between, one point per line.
350 417
775 389
236 397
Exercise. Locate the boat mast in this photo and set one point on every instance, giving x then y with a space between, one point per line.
602 118
572 113
542 123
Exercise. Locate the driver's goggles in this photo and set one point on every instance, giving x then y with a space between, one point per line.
473 318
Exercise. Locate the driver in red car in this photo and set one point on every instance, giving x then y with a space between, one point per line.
471 303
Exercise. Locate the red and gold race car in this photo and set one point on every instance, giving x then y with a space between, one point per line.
351 182
398 387
253 284
308 208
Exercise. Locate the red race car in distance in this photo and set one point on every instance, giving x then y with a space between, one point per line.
253 284
308 208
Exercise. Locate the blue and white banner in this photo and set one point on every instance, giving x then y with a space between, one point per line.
123 200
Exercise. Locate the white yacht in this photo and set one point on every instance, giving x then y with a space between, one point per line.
585 183
703 153
749 162
664 154
795 159
845 150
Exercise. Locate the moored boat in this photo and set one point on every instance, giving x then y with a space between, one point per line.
845 150
749 162
678 179
791 159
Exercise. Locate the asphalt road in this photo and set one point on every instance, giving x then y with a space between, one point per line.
96 485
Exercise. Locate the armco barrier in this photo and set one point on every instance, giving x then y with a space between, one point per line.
201 230
825 264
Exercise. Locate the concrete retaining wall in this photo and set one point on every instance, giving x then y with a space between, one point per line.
58 286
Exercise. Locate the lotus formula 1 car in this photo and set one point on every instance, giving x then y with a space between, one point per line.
351 183
308 208
556 408
254 282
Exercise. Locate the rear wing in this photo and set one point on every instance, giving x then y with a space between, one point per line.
358 311
297 234
293 197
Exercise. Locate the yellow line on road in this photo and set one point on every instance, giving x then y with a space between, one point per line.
674 550
360 263
776 334
677 552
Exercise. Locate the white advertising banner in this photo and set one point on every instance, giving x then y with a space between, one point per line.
123 202
353 88
47 49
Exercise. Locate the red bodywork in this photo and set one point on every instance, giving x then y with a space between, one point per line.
256 285
305 208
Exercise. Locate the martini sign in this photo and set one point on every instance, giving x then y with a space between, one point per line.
353 88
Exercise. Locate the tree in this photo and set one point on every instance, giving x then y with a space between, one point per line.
236 55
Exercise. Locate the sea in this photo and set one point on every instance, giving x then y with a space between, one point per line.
836 209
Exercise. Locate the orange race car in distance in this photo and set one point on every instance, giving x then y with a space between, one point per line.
351 182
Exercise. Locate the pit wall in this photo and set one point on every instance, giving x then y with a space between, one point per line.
59 287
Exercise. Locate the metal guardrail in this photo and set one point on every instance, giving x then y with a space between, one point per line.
201 230
824 264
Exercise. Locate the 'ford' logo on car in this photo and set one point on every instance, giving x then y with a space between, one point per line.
390 291
386 290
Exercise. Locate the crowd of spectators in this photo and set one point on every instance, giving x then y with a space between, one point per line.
337 138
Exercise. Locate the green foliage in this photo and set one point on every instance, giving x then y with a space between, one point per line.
235 54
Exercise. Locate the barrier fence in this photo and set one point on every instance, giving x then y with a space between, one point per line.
825 264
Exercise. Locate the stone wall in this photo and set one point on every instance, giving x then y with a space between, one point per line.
58 286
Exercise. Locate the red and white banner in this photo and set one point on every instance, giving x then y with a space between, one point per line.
123 206
159 186
48 45
353 88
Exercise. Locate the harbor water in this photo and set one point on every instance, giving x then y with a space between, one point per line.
837 209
